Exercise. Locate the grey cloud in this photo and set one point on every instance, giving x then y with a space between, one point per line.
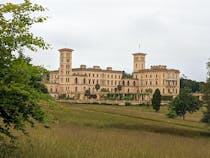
174 33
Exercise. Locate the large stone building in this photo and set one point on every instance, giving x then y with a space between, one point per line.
73 82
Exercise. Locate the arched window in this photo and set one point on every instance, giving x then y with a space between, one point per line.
134 83
84 81
76 80
123 83
128 83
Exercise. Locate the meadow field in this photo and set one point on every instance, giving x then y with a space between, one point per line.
104 131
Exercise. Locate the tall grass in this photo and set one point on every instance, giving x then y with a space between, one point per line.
82 131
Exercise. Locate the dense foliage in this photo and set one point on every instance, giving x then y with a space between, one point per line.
126 75
184 103
193 86
97 87
207 97
156 100
20 86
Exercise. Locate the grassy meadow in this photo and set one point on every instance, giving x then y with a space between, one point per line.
103 131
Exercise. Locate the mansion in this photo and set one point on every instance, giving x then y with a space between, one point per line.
74 82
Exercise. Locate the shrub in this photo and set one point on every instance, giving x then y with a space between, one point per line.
171 114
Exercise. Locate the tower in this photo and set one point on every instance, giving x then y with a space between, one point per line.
65 70
138 61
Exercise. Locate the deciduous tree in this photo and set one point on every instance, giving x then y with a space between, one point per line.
19 80
207 97
184 103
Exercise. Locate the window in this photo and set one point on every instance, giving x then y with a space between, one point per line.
123 83
134 83
84 81
76 80
128 83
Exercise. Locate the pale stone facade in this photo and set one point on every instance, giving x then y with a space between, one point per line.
73 82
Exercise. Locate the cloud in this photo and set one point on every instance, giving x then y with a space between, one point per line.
107 32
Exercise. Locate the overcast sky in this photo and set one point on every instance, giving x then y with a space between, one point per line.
175 33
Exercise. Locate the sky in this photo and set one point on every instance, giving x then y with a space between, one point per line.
175 33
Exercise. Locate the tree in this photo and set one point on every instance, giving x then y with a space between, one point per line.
119 88
207 97
20 87
184 103
156 100
194 86
87 93
97 87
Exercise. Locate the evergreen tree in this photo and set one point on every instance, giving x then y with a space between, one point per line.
156 100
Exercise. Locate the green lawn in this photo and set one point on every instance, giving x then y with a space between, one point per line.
90 131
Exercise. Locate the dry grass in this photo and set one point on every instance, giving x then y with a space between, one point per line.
96 131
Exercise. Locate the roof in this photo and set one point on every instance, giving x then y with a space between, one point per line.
158 70
54 71
96 70
66 49
139 54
